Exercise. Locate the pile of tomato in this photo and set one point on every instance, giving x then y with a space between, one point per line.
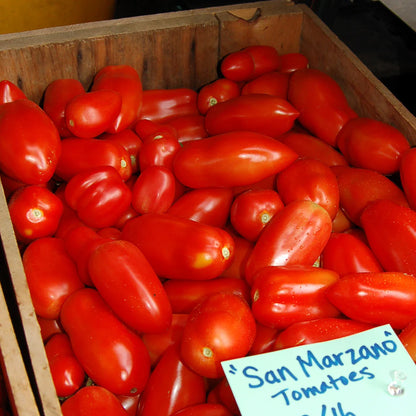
165 231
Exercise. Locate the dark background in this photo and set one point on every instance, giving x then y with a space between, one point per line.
385 44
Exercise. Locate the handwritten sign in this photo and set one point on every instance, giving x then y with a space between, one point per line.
362 374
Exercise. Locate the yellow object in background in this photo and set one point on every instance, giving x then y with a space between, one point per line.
21 15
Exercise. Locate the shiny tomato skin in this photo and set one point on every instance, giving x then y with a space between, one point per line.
311 147
175 382
290 62
231 159
112 355
359 186
161 105
124 80
218 91
91 113
207 205
10 92
184 295
219 328
188 127
126 281
272 83
312 180
372 144
265 338
252 210
56 96
51 275
35 212
204 409
30 146
180 248
261 113
377 298
282 296
98 195
317 330
345 253
48 327
296 234
408 338
93 401
67 373
153 190
391 233
408 175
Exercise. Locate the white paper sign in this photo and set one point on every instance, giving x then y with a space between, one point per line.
349 376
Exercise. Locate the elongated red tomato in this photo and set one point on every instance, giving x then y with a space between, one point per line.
317 330
376 298
290 62
309 179
175 382
282 296
346 253
219 328
272 83
222 89
222 393
112 355
296 234
180 248
261 113
408 175
93 401
231 159
391 233
10 92
372 144
127 282
51 275
30 146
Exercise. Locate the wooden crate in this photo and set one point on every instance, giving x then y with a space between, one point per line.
178 49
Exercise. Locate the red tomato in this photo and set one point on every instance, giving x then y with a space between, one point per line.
317 330
51 275
173 381
218 91
204 409
377 298
129 403
261 113
125 80
10 92
282 296
207 205
154 190
296 234
129 285
252 210
113 356
93 401
98 195
408 338
161 105
271 83
250 62
221 393
408 175
48 327
391 233
91 113
69 220
321 102
346 253
10 185
56 96
30 146
219 328
67 373
358 187
189 127
290 62
157 344
372 144
184 295
79 155
35 212
180 248
130 141
231 159
312 180
265 338
341 223
310 147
